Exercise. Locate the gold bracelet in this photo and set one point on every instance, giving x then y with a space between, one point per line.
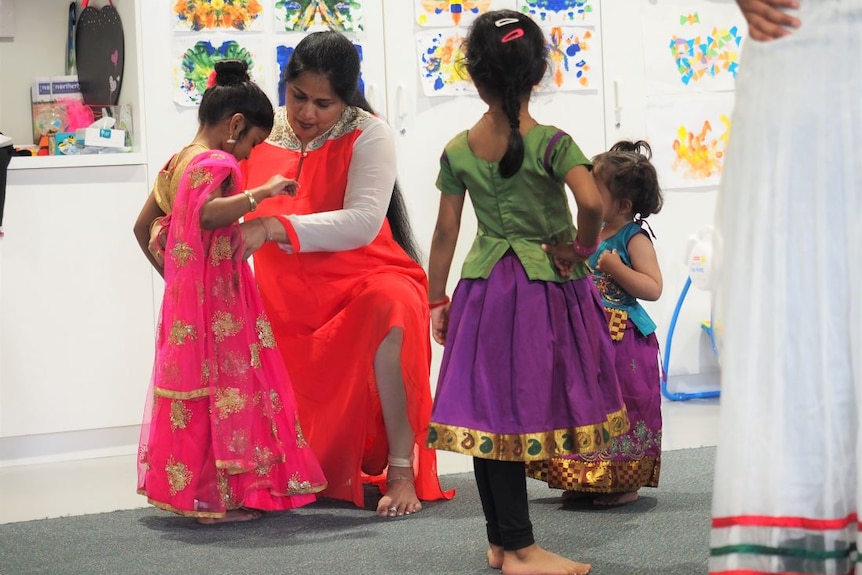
252 202
153 223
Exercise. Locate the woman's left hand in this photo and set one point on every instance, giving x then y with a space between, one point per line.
253 237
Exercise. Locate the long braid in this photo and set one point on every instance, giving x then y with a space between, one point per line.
514 156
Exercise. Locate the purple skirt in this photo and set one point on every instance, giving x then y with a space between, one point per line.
528 370
632 460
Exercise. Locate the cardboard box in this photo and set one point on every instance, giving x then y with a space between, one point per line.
102 138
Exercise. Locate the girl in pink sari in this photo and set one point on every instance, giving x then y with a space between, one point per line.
221 440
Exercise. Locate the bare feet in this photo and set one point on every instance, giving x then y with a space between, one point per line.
400 498
232 516
614 499
571 496
534 560
495 557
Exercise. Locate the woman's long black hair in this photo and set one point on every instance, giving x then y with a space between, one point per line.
332 55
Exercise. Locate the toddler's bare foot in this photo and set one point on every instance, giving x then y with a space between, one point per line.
232 516
614 499
495 556
534 560
571 496
400 498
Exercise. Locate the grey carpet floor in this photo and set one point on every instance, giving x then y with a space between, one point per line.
665 532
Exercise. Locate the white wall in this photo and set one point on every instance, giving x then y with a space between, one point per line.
52 360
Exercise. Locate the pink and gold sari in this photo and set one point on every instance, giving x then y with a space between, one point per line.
220 429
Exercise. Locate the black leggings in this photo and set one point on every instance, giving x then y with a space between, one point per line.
503 491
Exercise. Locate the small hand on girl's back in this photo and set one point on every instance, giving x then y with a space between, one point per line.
564 257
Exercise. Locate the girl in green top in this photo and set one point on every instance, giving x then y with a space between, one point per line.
528 371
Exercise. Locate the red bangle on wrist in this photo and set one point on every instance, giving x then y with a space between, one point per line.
439 303
583 251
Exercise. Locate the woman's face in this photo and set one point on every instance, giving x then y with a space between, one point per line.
256 135
312 106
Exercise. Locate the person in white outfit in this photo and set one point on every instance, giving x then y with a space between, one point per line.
788 308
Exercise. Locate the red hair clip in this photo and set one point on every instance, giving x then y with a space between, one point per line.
513 35
211 79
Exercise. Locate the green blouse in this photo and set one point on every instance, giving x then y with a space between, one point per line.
518 213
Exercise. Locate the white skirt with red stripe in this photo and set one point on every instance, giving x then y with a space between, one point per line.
789 306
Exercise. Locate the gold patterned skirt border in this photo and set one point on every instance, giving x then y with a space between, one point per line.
597 476
528 446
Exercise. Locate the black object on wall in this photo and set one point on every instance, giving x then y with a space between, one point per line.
6 151
99 54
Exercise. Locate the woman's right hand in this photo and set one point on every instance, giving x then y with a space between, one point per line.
253 236
440 323
767 20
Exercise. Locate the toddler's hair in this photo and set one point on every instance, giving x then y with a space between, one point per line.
506 56
627 172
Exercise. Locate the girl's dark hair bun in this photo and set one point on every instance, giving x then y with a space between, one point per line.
230 72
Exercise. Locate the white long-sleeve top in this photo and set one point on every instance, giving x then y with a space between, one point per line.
370 179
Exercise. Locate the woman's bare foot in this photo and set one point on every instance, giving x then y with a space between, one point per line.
495 556
614 499
232 516
534 560
400 498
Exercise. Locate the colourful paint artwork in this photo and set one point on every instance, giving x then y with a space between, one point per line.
693 50
560 12
701 57
282 57
449 12
195 62
441 63
206 15
689 140
316 15
572 55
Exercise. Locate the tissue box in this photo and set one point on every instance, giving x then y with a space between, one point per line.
102 137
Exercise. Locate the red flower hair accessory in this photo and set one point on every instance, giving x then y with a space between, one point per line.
211 79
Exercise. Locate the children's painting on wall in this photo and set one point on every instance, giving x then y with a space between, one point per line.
574 59
284 51
209 15
560 12
317 15
441 63
692 48
194 60
449 12
689 139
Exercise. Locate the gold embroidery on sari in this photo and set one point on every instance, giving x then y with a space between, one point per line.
199 177
264 332
234 364
275 401
300 437
178 474
224 325
228 401
182 254
239 442
181 331
263 460
180 415
297 486
221 250
255 355
224 289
